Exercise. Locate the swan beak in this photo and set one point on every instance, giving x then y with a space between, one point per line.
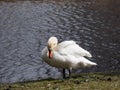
50 53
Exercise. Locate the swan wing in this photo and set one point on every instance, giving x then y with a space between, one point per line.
71 48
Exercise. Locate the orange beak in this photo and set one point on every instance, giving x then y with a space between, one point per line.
50 54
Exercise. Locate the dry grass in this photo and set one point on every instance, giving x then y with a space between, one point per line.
91 81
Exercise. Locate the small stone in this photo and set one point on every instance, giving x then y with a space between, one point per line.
98 78
56 88
10 86
86 80
49 85
109 79
7 89
77 81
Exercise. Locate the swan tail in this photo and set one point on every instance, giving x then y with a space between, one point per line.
86 63
88 54
92 64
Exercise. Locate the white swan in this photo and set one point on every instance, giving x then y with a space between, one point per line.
66 55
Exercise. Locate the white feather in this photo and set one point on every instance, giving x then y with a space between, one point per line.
68 55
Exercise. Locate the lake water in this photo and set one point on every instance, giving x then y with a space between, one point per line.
25 27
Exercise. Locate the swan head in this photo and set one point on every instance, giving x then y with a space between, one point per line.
52 43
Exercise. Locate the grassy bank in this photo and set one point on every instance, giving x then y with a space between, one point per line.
90 81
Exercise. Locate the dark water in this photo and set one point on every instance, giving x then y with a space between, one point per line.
25 27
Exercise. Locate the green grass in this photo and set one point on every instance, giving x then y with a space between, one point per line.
90 81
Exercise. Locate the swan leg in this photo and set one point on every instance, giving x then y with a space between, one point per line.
69 70
63 73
